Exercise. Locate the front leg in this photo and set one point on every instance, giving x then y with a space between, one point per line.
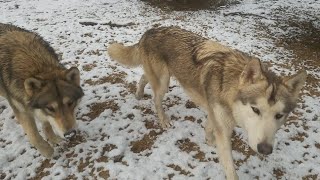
50 135
223 141
30 128
222 130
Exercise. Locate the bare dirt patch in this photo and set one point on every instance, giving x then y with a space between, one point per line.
108 147
2 175
75 140
145 110
2 108
97 108
180 170
89 67
190 105
104 174
152 125
299 137
71 177
310 177
189 5
239 145
41 172
114 78
130 89
85 163
96 52
190 118
304 40
146 142
187 146
278 173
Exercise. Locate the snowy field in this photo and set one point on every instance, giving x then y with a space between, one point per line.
119 136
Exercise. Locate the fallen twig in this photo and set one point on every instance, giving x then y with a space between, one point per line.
86 23
243 14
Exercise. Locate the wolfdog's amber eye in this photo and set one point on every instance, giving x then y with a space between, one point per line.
256 110
50 108
278 116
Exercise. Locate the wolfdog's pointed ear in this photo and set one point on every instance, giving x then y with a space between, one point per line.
252 72
296 82
73 76
31 85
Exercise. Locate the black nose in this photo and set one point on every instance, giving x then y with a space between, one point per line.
69 134
264 148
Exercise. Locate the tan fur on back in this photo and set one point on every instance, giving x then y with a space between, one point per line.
198 63
29 54
35 84
230 85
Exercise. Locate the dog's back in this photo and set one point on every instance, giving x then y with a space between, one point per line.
23 54
182 48
37 87
8 27
234 88
188 56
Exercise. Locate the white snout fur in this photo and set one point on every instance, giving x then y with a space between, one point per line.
260 128
39 115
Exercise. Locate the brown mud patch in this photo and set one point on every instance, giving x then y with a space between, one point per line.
146 142
311 177
97 108
75 140
180 170
104 174
303 40
88 67
304 43
41 170
299 137
188 5
82 165
278 173
188 146
240 146
2 175
114 78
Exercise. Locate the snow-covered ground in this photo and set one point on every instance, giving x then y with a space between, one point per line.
119 136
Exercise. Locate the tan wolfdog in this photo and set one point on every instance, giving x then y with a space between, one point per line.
234 88
38 87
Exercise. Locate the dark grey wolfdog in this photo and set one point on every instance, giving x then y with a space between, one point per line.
37 86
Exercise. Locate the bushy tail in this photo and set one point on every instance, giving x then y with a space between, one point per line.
125 55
